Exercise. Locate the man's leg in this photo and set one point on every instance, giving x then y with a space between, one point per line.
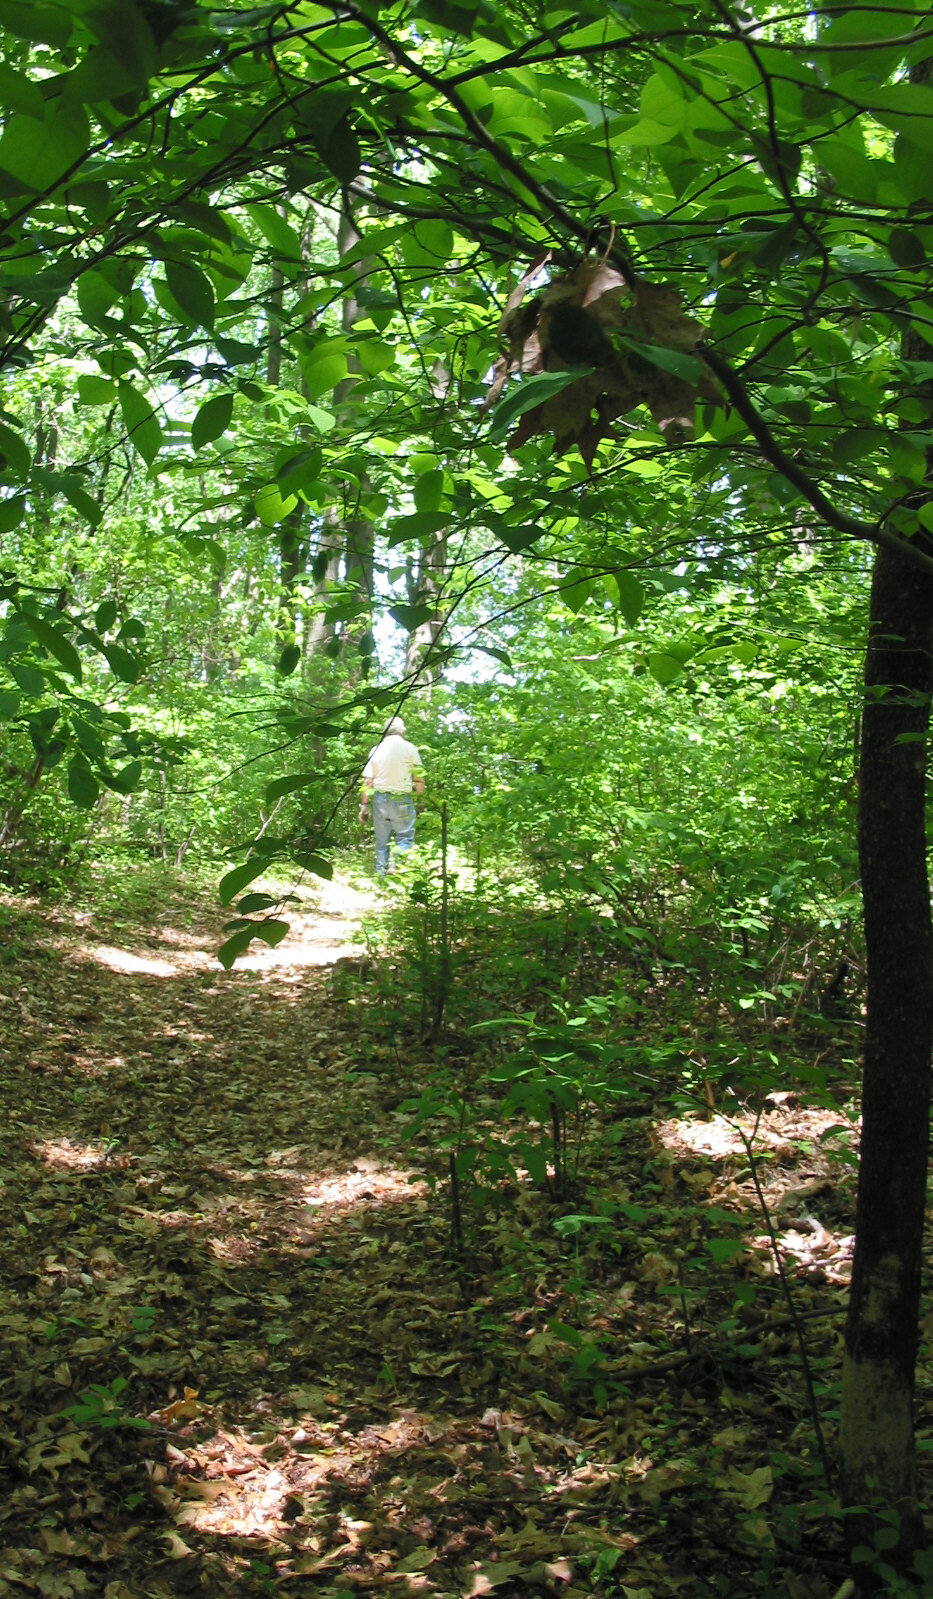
382 829
403 823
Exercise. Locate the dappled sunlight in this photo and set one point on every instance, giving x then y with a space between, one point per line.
793 1148
816 1252
73 1154
781 1130
318 936
124 960
386 1500
238 1243
237 1226
367 1183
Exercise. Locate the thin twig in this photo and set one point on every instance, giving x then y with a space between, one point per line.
792 1308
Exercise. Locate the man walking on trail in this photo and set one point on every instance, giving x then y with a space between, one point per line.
391 777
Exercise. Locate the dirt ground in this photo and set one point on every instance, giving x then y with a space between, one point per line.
239 1352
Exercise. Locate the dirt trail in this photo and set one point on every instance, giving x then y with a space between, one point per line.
213 1226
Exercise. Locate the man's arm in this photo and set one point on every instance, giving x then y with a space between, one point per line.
367 785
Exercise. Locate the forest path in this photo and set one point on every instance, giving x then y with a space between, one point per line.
214 1225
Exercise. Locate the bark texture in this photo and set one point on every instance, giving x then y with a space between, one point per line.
876 1454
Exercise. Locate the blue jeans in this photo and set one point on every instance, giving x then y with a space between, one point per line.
392 814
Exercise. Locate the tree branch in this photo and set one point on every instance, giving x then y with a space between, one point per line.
874 532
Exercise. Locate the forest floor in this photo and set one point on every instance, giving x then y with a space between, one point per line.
241 1354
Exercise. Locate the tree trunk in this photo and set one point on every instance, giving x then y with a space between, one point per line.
351 535
427 590
288 535
876 1447
877 1465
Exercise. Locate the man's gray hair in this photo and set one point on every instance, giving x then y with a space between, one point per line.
396 726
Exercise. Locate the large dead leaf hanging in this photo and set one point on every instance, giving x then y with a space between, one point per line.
616 345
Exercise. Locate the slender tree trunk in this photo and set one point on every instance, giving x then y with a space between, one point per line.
352 536
289 532
876 1443
427 590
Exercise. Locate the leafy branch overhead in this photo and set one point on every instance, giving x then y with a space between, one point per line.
593 347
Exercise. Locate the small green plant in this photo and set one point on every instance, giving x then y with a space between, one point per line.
143 1318
102 1405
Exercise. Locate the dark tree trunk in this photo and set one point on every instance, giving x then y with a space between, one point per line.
877 1465
876 1446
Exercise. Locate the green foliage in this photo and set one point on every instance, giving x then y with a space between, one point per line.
102 1405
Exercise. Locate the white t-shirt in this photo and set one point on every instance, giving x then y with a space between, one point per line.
391 764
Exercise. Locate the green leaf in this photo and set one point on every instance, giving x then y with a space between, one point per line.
321 375
676 362
271 931
411 616
318 864
40 24
58 646
724 1249
192 292
83 787
126 780
272 507
429 490
906 248
528 394
277 231
255 902
96 297
421 525
92 389
39 153
11 513
374 356
9 704
625 591
428 244
122 664
15 451
212 420
576 593
521 538
123 28
341 151
30 681
77 495
240 877
664 668
105 615
298 472
289 785
234 946
288 660
142 424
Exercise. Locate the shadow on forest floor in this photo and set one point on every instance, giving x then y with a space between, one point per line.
209 1198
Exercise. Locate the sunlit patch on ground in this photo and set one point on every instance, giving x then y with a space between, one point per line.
124 960
816 1253
795 1172
778 1131
394 1498
71 1154
366 1183
323 925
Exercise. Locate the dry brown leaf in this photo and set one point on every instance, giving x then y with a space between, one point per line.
176 1546
593 317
